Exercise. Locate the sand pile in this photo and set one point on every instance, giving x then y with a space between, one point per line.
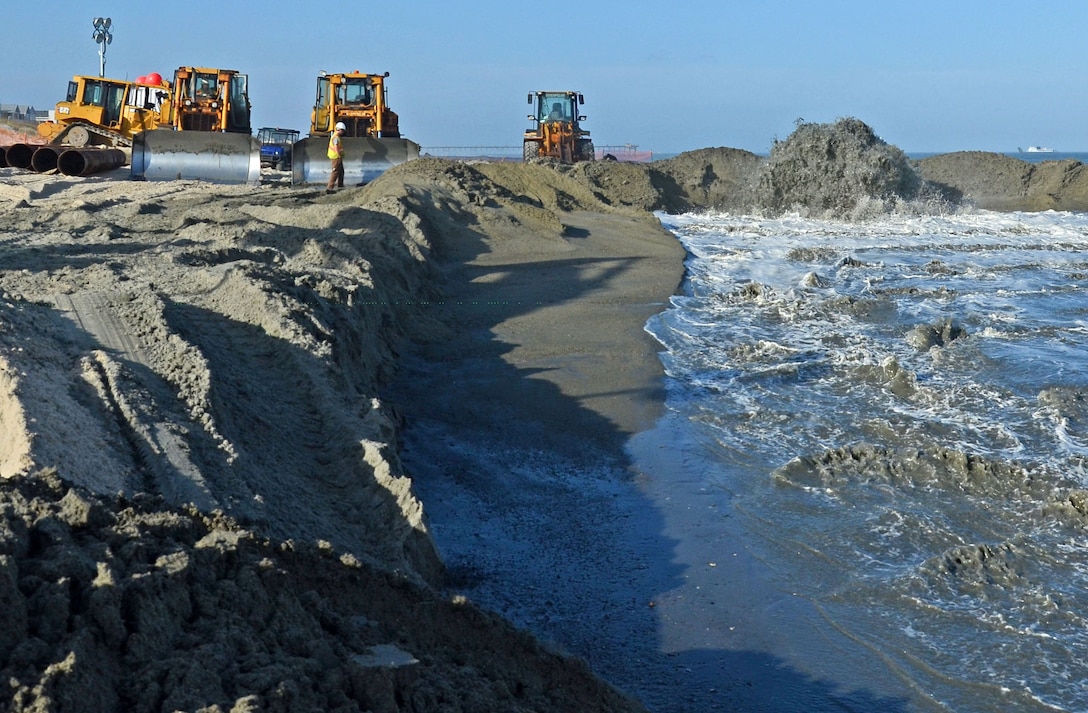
129 605
717 178
203 501
999 182
837 170
844 170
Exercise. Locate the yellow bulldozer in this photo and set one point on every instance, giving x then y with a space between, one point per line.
557 131
107 112
205 99
93 129
372 142
205 133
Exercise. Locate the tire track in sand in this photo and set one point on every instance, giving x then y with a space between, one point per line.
137 395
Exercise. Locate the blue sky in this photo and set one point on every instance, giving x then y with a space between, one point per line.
667 76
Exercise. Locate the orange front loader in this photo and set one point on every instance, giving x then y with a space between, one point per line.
557 132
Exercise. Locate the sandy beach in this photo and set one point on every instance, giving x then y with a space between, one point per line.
399 448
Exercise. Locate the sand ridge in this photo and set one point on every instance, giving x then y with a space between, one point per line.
206 360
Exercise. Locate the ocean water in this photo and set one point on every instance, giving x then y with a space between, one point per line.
896 412
1028 157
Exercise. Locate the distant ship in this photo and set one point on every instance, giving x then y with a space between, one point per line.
1035 149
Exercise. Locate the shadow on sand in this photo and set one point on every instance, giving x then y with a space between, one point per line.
537 508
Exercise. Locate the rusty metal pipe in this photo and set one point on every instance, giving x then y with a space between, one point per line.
84 162
19 155
44 159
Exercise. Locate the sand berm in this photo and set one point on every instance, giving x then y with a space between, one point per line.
202 500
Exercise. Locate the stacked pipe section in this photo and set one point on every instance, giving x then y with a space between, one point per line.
66 160
84 162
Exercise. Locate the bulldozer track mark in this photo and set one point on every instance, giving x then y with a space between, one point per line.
159 447
282 418
92 313
145 403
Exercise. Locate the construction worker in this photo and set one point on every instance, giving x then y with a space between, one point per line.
336 155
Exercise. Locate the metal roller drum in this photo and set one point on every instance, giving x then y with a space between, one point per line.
217 157
364 159
3 156
84 162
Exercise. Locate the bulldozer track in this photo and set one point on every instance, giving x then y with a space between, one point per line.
116 139
113 139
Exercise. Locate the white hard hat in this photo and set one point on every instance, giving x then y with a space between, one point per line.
340 126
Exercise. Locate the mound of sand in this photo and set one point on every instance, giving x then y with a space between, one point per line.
204 506
117 604
837 169
998 182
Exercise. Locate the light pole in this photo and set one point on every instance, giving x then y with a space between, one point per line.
103 37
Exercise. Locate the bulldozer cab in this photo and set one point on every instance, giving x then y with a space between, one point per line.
556 131
357 100
557 106
100 99
356 93
148 98
211 100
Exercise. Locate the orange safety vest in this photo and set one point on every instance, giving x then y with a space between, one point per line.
334 145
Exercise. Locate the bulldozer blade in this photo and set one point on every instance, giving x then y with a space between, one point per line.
218 157
364 159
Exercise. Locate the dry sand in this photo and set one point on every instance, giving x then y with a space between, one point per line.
204 391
